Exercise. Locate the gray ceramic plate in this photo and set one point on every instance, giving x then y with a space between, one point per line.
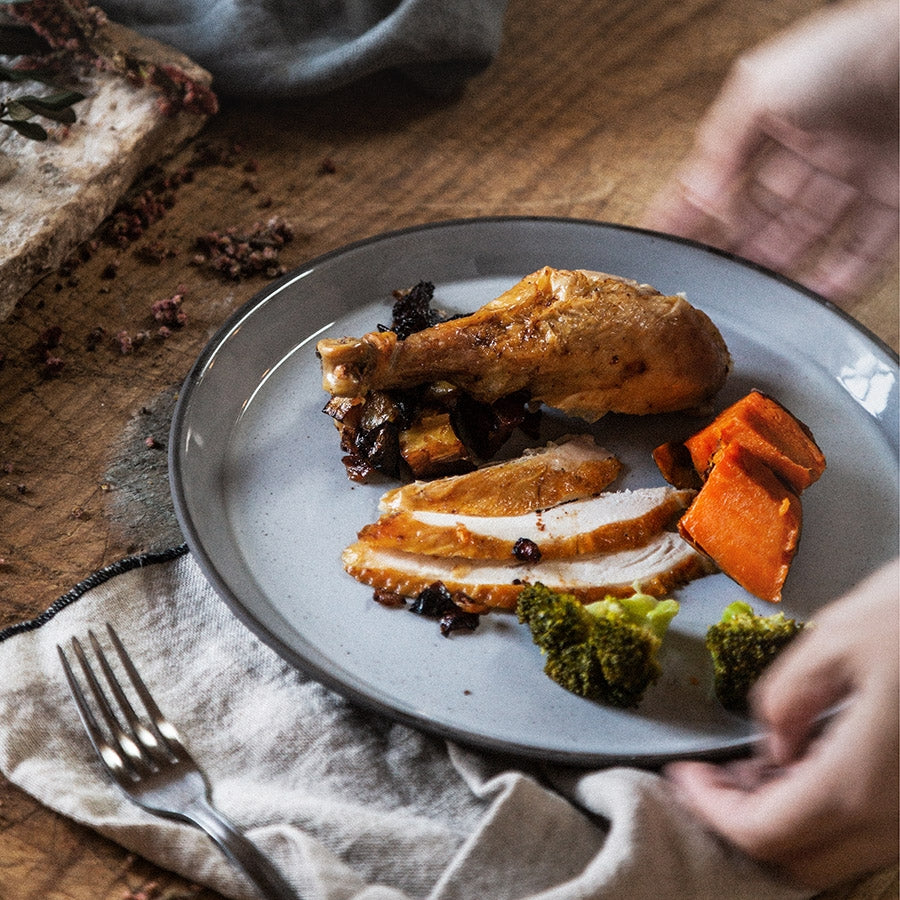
266 506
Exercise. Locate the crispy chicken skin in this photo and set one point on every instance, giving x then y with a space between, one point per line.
585 343
571 469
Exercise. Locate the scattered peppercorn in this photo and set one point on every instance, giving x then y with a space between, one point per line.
94 338
54 364
126 345
155 252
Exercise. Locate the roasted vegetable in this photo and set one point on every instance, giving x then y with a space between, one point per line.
764 427
369 428
746 520
741 644
431 446
605 651
412 310
674 461
753 461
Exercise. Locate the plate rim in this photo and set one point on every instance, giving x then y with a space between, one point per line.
724 749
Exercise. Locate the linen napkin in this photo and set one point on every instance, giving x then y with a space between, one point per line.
347 803
270 49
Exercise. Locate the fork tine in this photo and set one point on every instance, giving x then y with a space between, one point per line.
113 760
164 730
128 743
87 715
149 739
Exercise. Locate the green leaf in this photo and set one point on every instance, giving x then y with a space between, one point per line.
27 129
52 102
56 107
7 74
45 76
18 111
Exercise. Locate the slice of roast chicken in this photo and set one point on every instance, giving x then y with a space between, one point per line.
469 531
611 521
568 469
660 565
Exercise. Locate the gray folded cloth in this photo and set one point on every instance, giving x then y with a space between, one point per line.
347 803
269 48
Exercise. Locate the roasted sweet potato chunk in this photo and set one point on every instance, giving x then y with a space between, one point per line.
676 465
747 521
770 432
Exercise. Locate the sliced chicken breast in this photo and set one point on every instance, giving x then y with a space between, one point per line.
611 521
569 469
662 564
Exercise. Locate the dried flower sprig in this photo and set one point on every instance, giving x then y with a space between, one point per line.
18 112
77 27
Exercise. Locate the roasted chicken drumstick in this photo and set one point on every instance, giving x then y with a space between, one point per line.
583 342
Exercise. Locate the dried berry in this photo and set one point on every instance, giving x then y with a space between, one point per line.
388 598
526 550
458 620
433 602
436 602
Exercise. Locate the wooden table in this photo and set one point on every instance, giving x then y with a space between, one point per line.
584 114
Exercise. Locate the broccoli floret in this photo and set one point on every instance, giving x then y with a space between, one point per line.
606 650
741 644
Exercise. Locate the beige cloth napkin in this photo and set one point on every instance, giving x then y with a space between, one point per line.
347 803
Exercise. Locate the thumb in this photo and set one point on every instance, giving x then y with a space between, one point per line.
793 694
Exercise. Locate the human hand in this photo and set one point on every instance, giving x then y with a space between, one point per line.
795 164
819 807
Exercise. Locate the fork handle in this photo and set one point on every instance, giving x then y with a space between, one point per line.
241 852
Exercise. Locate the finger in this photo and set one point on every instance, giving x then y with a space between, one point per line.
790 725
783 816
730 135
749 819
799 686
676 211
698 204
798 207
858 254
812 846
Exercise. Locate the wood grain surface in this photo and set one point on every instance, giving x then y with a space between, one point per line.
585 113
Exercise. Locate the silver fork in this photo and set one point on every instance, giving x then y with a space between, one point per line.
147 760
